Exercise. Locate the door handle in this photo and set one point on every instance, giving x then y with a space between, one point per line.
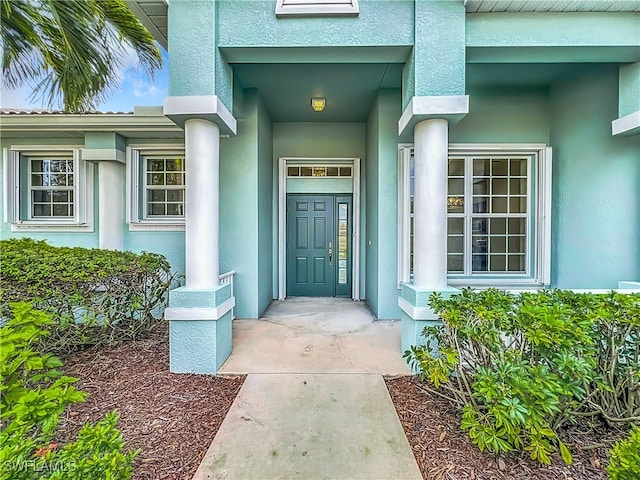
330 253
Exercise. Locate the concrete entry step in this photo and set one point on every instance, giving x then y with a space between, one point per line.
310 427
316 335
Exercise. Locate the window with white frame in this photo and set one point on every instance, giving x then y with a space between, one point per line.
156 187
47 188
498 214
316 7
51 184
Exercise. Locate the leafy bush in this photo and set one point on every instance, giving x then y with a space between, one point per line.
96 297
624 463
616 327
522 366
33 395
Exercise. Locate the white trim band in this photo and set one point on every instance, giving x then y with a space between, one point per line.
103 154
215 313
423 108
416 313
629 124
207 107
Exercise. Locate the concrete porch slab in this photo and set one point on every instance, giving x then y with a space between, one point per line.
310 427
316 335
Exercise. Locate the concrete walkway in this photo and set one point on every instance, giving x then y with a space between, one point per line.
314 404
316 335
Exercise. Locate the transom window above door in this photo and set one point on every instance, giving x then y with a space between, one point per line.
331 171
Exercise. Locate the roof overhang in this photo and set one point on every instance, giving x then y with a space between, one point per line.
153 15
498 6
127 124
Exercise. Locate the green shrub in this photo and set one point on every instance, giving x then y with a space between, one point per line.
33 394
616 324
521 366
624 463
96 297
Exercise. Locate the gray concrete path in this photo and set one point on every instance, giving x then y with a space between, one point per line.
310 426
314 404
316 335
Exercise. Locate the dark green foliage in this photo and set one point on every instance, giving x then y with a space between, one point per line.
521 366
70 51
96 297
33 395
624 463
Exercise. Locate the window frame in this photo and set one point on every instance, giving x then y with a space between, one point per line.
18 209
136 204
36 188
302 8
537 259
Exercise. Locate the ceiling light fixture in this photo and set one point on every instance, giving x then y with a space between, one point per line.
318 104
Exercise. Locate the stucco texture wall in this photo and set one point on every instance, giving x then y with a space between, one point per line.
516 115
382 205
596 186
244 199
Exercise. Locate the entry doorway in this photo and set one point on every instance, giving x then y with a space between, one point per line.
319 245
290 171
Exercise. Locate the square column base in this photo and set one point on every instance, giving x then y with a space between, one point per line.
417 313
199 329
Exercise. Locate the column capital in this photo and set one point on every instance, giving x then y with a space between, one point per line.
452 108
103 155
206 107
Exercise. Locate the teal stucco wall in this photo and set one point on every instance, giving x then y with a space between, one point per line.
244 199
596 186
382 205
380 23
515 115
265 205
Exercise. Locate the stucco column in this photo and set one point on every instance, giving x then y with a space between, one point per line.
202 210
430 204
111 205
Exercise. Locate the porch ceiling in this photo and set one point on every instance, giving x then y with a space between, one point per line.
522 75
350 89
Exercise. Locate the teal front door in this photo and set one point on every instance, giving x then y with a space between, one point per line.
318 245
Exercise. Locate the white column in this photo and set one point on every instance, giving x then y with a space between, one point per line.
111 205
430 204
202 208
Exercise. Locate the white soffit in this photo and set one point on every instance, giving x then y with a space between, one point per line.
487 6
153 15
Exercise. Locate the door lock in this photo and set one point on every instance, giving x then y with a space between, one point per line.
330 254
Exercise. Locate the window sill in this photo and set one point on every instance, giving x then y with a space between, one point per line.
311 8
502 283
156 227
30 226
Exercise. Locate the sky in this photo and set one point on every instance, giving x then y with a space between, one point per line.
136 89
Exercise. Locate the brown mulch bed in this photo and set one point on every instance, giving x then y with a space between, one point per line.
444 452
171 418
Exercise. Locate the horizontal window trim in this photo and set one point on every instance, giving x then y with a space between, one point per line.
539 216
136 191
14 196
46 149
316 8
160 226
